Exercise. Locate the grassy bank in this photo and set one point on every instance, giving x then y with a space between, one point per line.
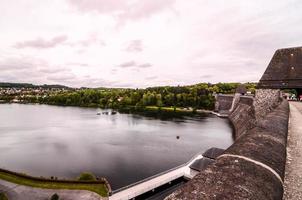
172 111
99 188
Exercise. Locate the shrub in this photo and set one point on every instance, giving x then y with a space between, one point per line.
55 197
86 176
3 196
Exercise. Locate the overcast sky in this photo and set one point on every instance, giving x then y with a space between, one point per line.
141 43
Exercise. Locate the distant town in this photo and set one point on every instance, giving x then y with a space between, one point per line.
16 92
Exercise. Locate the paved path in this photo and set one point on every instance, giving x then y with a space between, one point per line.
293 171
20 192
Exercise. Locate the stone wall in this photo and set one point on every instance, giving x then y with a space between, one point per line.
253 167
265 101
223 102
243 116
249 111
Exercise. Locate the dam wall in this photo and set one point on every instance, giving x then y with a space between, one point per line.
253 167
223 102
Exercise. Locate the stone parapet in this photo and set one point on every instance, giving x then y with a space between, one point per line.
253 167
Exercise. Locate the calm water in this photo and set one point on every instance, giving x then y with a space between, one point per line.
44 140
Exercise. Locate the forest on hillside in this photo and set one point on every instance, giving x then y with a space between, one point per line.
198 96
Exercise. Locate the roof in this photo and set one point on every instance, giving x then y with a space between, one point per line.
241 89
284 70
213 153
201 164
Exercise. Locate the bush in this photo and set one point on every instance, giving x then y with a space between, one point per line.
86 176
3 196
55 197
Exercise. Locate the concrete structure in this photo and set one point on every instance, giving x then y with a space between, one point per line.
149 184
223 103
188 170
252 168
293 170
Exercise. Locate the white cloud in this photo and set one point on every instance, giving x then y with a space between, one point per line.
140 43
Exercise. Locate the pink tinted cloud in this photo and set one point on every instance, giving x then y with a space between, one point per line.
145 8
144 65
92 39
101 6
135 46
124 9
41 43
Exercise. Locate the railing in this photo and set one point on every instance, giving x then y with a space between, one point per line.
155 176
149 188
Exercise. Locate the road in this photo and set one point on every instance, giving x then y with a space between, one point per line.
293 171
20 192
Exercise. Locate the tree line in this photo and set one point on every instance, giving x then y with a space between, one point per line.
199 96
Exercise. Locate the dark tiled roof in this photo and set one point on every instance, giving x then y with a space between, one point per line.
284 70
213 153
201 164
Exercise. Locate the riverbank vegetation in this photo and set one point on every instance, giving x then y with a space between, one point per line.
97 187
3 196
87 176
199 96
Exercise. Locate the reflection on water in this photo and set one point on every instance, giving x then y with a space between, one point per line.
57 141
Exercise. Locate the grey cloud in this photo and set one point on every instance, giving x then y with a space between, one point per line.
53 70
92 39
135 46
132 64
151 77
144 65
206 76
113 71
41 43
77 64
128 64
19 63
61 78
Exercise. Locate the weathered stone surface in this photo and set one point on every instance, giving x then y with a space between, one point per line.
251 167
243 116
264 146
265 101
231 179
275 122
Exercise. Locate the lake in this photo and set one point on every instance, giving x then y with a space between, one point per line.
43 140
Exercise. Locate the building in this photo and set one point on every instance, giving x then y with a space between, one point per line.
284 71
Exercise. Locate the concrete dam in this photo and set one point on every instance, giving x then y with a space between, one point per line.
254 166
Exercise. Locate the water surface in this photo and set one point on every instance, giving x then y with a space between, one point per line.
43 140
